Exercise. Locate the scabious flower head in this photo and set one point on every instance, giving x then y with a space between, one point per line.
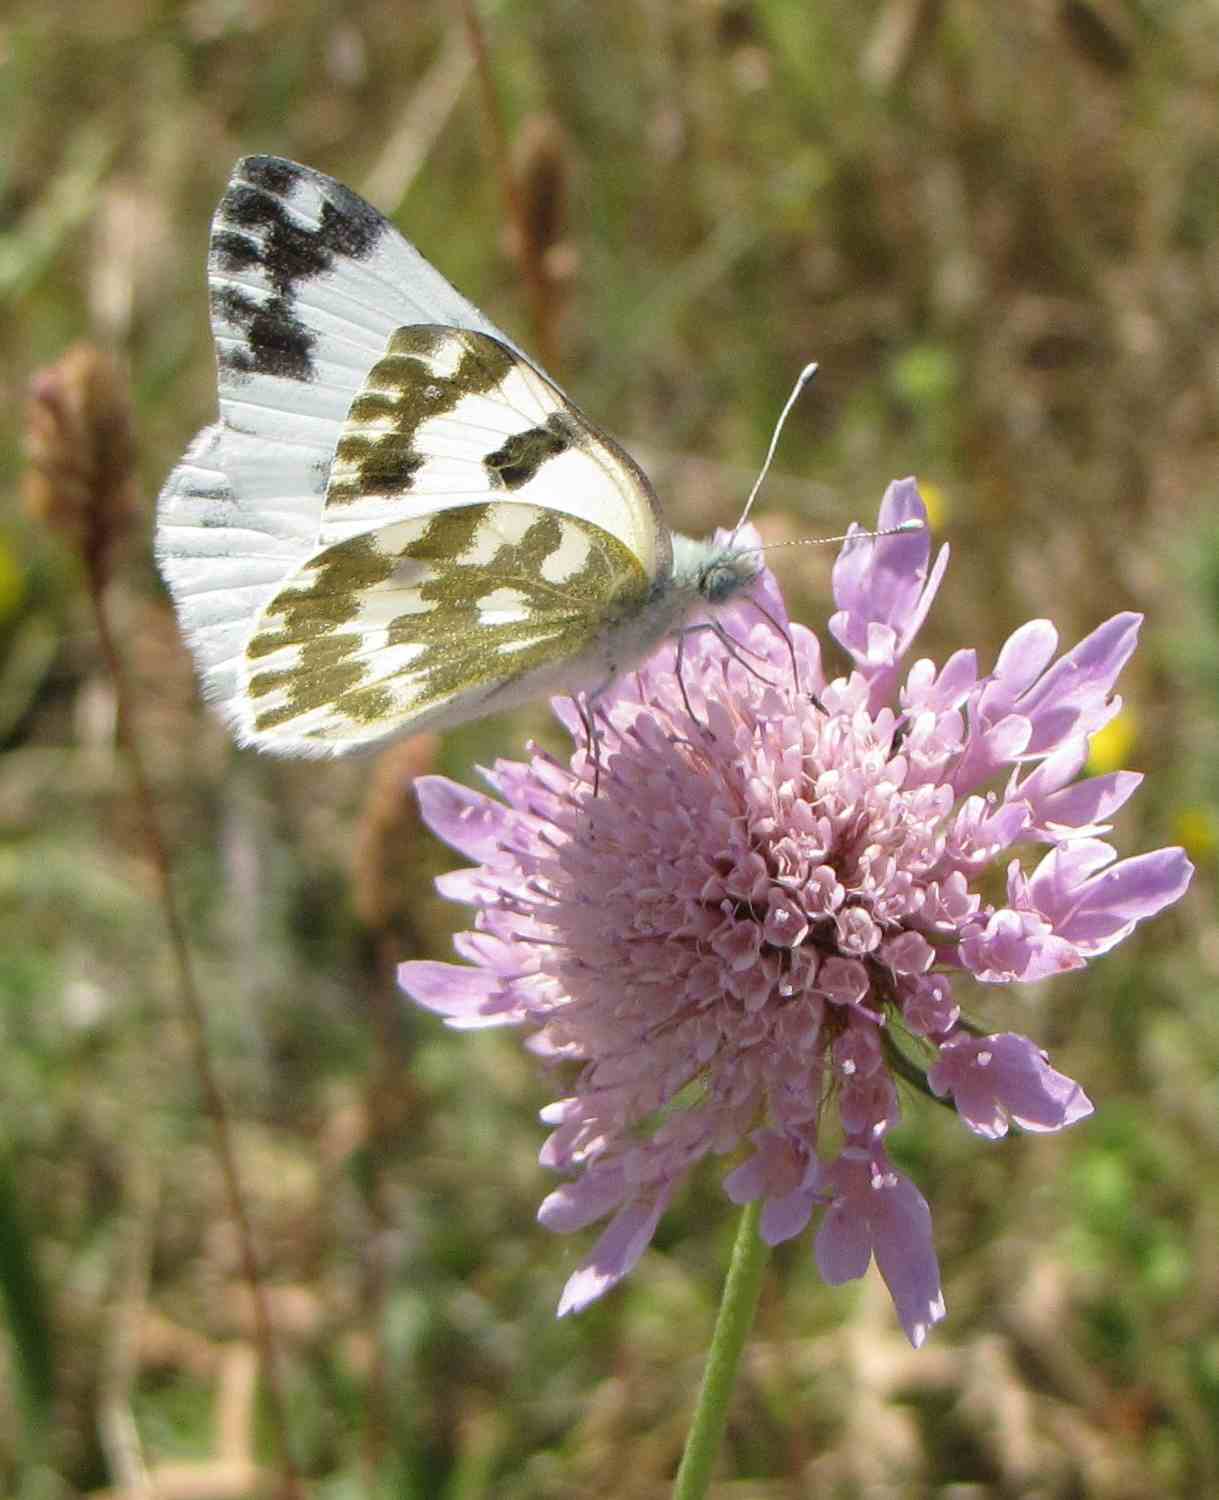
781 875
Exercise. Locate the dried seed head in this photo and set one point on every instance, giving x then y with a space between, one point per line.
80 477
542 172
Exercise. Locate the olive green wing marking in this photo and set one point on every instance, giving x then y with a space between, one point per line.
431 621
454 417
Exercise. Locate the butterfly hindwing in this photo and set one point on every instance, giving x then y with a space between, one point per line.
432 619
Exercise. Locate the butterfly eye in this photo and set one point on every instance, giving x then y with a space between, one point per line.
726 575
719 579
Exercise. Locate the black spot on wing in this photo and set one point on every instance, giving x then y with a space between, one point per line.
384 465
256 229
277 342
259 200
274 174
520 457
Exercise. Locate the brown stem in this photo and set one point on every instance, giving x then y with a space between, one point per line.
196 1023
534 274
387 1102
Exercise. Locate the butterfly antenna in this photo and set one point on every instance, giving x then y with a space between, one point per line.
802 380
857 534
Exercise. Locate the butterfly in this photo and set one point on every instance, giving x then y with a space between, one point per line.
399 521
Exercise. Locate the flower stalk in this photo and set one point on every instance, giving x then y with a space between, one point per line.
732 1326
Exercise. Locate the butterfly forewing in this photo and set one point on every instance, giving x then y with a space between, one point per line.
437 618
307 282
452 416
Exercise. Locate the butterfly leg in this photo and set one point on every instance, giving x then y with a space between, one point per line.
678 661
786 637
584 703
791 651
733 648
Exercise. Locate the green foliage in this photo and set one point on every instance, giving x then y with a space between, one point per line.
25 1303
998 238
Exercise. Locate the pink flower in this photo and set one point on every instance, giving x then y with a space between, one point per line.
775 905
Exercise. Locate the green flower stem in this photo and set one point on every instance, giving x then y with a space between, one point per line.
732 1327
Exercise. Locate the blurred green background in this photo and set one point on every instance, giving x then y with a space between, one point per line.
997 228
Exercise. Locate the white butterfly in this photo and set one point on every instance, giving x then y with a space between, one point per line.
399 522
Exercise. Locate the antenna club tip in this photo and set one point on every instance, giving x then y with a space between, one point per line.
807 373
915 523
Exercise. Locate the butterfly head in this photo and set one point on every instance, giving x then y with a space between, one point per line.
726 572
713 571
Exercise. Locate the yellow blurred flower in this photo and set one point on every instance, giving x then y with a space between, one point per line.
939 507
12 581
1198 832
1110 747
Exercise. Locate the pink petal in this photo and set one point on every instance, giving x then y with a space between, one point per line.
868 1106
905 1257
928 1006
1058 769
577 1204
777 1171
1005 1077
1094 907
876 1210
908 953
1053 887
471 886
939 694
1063 807
844 981
499 955
1084 807
615 1253
1017 945
777 1166
784 1218
1080 681
467 998
1023 657
843 1244
882 579
884 590
1001 731
474 824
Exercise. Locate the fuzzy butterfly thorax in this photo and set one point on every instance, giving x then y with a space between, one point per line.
719 572
399 521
